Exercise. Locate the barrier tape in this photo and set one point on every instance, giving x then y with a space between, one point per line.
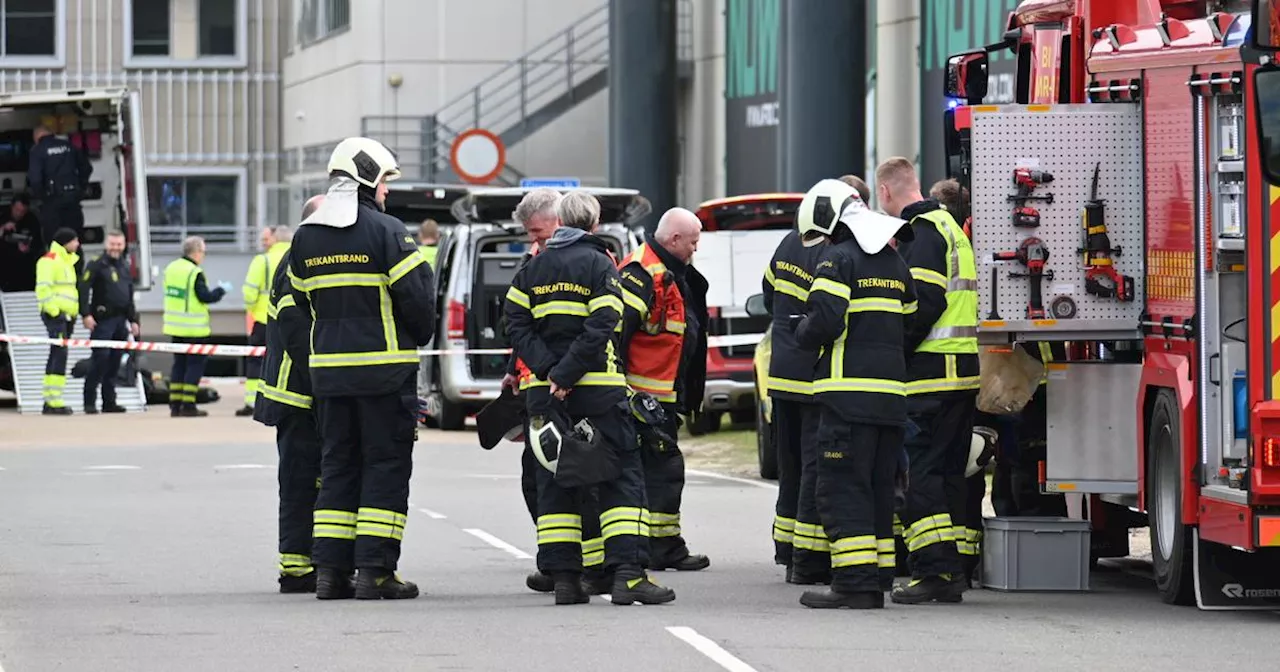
217 349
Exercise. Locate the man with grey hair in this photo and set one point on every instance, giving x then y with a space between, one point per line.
562 311
186 318
664 349
256 289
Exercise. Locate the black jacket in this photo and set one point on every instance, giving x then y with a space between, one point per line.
786 291
511 359
107 289
691 381
286 379
562 313
857 309
57 170
372 298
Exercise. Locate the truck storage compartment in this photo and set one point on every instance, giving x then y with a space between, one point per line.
1035 554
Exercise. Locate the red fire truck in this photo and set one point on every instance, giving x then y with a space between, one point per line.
1126 206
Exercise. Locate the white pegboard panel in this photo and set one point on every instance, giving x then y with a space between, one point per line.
1066 141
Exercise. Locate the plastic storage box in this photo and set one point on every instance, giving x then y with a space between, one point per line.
1035 554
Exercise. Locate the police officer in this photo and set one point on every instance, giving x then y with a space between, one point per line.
855 313
371 295
256 290
942 387
59 299
186 319
108 311
284 402
562 313
58 175
664 345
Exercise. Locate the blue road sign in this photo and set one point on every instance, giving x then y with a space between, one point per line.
552 182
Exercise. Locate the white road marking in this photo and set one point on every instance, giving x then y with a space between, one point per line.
433 514
113 467
734 479
710 649
497 543
242 466
695 482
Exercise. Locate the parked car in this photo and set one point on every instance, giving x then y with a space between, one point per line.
475 265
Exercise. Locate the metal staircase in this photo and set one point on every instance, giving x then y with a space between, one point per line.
518 100
22 317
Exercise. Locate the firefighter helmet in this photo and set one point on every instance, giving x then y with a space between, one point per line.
364 160
982 447
545 440
820 210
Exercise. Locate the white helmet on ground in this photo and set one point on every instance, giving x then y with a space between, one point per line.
365 160
820 210
982 448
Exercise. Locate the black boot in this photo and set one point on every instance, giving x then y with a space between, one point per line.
830 599
539 582
597 582
244 411
112 408
333 584
298 584
689 563
569 589
375 583
55 410
190 411
799 578
929 589
630 585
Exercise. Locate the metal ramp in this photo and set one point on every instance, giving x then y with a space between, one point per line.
21 316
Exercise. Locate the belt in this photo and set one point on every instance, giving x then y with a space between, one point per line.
104 312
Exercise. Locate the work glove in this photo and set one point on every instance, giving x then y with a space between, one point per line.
226 286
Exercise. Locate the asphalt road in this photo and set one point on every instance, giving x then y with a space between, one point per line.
155 553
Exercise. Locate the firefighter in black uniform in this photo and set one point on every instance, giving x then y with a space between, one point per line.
860 299
58 175
284 402
562 313
358 274
108 311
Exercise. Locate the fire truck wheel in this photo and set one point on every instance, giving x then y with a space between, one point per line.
1170 539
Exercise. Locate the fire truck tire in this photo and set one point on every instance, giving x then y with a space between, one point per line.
1171 552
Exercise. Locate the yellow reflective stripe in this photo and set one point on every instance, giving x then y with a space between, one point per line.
776 384
910 308
322 361
592 552
791 289
573 308
871 385
769 277
518 297
664 524
811 537
384 523
675 326
935 385
559 528
606 301
875 304
853 551
286 301
596 378
929 530
635 302
335 280
283 396
404 267
831 287
887 552
334 524
930 276
387 312
783 529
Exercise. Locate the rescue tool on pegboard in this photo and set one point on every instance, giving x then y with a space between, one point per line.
1063 308
1101 279
1033 254
1027 180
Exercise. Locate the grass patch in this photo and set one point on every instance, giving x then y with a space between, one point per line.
731 452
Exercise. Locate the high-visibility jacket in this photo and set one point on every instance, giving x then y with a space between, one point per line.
185 315
942 340
653 355
429 253
286 380
56 290
257 281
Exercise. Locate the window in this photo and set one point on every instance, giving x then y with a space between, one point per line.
318 19
203 205
30 32
185 32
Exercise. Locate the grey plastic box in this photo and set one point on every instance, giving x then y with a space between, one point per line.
1035 554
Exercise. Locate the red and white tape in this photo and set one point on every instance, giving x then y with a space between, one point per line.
218 349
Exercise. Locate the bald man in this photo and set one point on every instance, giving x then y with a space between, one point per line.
664 345
284 402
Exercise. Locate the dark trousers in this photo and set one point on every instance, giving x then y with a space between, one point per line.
253 365
1016 483
184 380
856 467
298 445
566 516
937 486
364 485
104 364
664 488
811 550
529 467
55 367
789 434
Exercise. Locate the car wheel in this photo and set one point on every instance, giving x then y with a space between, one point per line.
453 417
767 451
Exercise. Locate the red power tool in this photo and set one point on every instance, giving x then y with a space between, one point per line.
1102 279
1033 254
1027 180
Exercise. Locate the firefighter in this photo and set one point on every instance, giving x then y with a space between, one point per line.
186 319
58 174
664 346
942 387
256 290
800 543
286 404
562 314
858 304
108 311
59 298
371 297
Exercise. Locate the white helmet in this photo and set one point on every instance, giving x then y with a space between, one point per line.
545 440
821 208
365 160
982 447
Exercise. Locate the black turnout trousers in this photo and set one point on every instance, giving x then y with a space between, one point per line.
790 434
664 488
298 445
856 467
365 467
937 488
811 551
620 503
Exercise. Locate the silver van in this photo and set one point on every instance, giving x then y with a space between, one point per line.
474 267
